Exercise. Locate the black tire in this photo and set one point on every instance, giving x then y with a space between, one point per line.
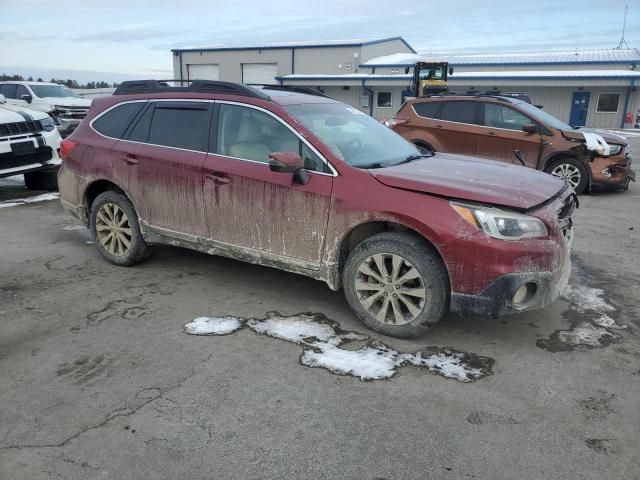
41 180
423 258
138 250
571 163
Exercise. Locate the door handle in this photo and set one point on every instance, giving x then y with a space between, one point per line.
130 159
490 133
217 179
438 126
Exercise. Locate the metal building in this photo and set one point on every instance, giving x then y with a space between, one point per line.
593 88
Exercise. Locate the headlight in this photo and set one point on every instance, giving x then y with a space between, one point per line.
47 124
614 149
502 224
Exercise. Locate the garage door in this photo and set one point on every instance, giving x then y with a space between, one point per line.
203 72
259 73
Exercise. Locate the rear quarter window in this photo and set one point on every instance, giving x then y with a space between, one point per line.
426 109
116 121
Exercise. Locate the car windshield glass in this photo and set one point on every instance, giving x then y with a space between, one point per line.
353 136
543 117
43 91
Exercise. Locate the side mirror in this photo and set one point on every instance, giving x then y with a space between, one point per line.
285 162
27 98
530 128
2 98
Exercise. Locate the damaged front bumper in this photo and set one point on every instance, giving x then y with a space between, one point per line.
614 171
518 291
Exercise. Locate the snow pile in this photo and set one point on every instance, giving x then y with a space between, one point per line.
323 343
213 326
22 201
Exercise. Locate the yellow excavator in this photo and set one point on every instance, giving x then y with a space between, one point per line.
430 77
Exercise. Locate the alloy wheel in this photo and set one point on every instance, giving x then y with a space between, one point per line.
390 288
569 173
113 230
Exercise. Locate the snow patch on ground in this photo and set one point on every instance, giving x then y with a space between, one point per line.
213 326
323 343
584 298
22 201
73 227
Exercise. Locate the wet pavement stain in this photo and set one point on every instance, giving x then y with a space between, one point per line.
85 369
325 345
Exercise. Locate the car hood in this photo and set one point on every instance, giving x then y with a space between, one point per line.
473 179
67 101
608 136
12 114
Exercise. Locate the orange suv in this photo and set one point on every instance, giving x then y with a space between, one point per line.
513 131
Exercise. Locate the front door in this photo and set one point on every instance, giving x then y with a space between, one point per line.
456 130
502 135
248 205
579 108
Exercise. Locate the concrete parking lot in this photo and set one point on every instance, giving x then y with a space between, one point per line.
98 379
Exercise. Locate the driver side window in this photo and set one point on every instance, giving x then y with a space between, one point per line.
501 116
250 134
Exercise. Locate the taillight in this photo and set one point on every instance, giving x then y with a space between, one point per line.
66 147
394 122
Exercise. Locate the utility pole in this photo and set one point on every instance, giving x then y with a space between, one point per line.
623 43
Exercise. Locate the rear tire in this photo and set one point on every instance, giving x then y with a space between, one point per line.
41 180
572 170
396 284
114 225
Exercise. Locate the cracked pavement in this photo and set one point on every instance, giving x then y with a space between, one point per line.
98 380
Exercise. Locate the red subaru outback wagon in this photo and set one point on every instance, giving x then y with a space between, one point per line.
306 184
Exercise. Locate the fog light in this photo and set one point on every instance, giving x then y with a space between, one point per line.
525 294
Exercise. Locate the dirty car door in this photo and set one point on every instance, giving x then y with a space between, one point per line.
502 134
249 206
160 164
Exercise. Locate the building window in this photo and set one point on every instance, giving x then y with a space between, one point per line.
384 99
608 102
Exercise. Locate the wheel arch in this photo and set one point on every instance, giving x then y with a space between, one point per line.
97 187
360 232
568 154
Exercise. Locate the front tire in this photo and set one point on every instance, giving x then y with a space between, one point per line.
41 180
396 284
572 170
114 225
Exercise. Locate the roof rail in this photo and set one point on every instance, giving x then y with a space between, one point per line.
296 89
195 86
470 93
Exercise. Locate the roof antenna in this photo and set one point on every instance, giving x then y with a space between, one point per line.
623 43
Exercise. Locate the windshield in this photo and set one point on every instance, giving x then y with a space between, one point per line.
52 91
543 117
353 136
433 73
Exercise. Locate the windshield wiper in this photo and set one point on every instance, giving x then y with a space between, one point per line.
372 165
411 158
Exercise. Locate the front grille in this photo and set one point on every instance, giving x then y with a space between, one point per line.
9 160
20 128
71 113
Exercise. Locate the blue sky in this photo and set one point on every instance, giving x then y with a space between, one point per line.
135 37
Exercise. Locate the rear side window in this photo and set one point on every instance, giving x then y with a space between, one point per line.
116 121
426 109
461 112
501 116
180 125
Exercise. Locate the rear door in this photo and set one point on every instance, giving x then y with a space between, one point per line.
160 164
456 127
502 134
247 205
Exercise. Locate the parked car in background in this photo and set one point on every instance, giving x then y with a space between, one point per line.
310 185
511 130
63 105
29 144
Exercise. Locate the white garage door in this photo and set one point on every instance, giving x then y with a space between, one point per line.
259 73
203 72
